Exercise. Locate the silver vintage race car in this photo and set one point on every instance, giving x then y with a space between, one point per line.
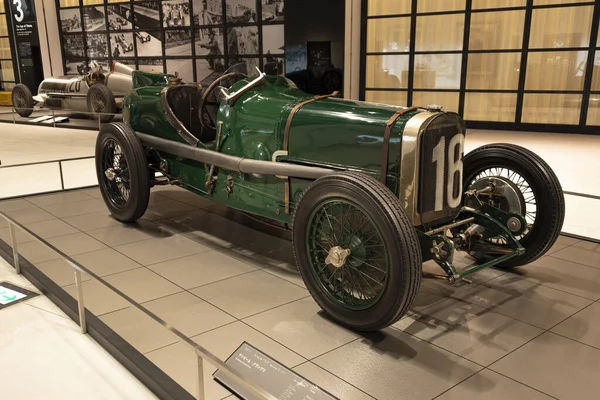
97 91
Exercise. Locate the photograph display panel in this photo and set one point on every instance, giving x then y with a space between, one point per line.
151 65
211 34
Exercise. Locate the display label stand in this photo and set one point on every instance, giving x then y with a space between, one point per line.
12 294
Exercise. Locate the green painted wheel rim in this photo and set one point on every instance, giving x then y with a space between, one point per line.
361 281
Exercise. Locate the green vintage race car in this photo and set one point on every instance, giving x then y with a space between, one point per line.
369 191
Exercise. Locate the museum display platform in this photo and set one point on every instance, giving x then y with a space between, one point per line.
223 282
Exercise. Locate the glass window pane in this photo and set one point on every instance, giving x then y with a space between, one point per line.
593 116
437 5
387 7
437 71
497 30
3 27
388 34
1 6
551 108
561 27
69 3
498 107
555 70
545 2
395 98
596 74
91 2
448 100
479 4
6 71
8 86
387 71
5 48
440 32
498 71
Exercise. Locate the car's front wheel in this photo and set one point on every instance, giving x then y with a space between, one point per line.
101 101
526 185
122 172
22 100
356 250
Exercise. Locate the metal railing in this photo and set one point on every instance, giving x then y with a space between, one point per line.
201 353
56 113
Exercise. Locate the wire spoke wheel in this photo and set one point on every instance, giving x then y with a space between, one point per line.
98 103
116 173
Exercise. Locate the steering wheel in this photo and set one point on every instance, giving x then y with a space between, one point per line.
212 123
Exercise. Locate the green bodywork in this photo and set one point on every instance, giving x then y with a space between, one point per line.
332 132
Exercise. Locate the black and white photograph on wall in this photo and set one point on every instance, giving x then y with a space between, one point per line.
245 65
97 45
242 41
208 12
151 65
149 44
70 20
176 13
73 46
146 15
274 65
178 42
93 19
208 70
183 67
119 17
273 39
121 45
241 11
272 10
209 41
75 66
104 65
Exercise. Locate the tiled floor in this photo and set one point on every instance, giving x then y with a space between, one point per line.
533 333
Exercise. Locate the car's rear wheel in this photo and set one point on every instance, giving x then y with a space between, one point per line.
101 101
356 250
530 188
122 172
22 100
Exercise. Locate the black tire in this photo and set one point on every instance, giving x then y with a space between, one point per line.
101 100
398 237
22 100
547 190
138 178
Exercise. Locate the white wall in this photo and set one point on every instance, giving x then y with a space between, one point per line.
50 45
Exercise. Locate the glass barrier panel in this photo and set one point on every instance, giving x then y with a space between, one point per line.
388 35
496 107
388 71
498 71
551 108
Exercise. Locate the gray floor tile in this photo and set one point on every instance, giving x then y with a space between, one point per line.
301 327
22 237
555 365
288 272
188 314
394 365
15 205
76 208
561 243
489 385
448 289
589 256
96 220
251 293
60 272
470 331
106 262
179 361
590 246
58 198
563 275
201 269
98 298
76 243
30 215
93 192
128 233
139 330
583 326
330 383
153 251
223 342
51 228
36 252
525 299
142 285
163 208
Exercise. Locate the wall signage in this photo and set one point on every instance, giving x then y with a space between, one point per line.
12 294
